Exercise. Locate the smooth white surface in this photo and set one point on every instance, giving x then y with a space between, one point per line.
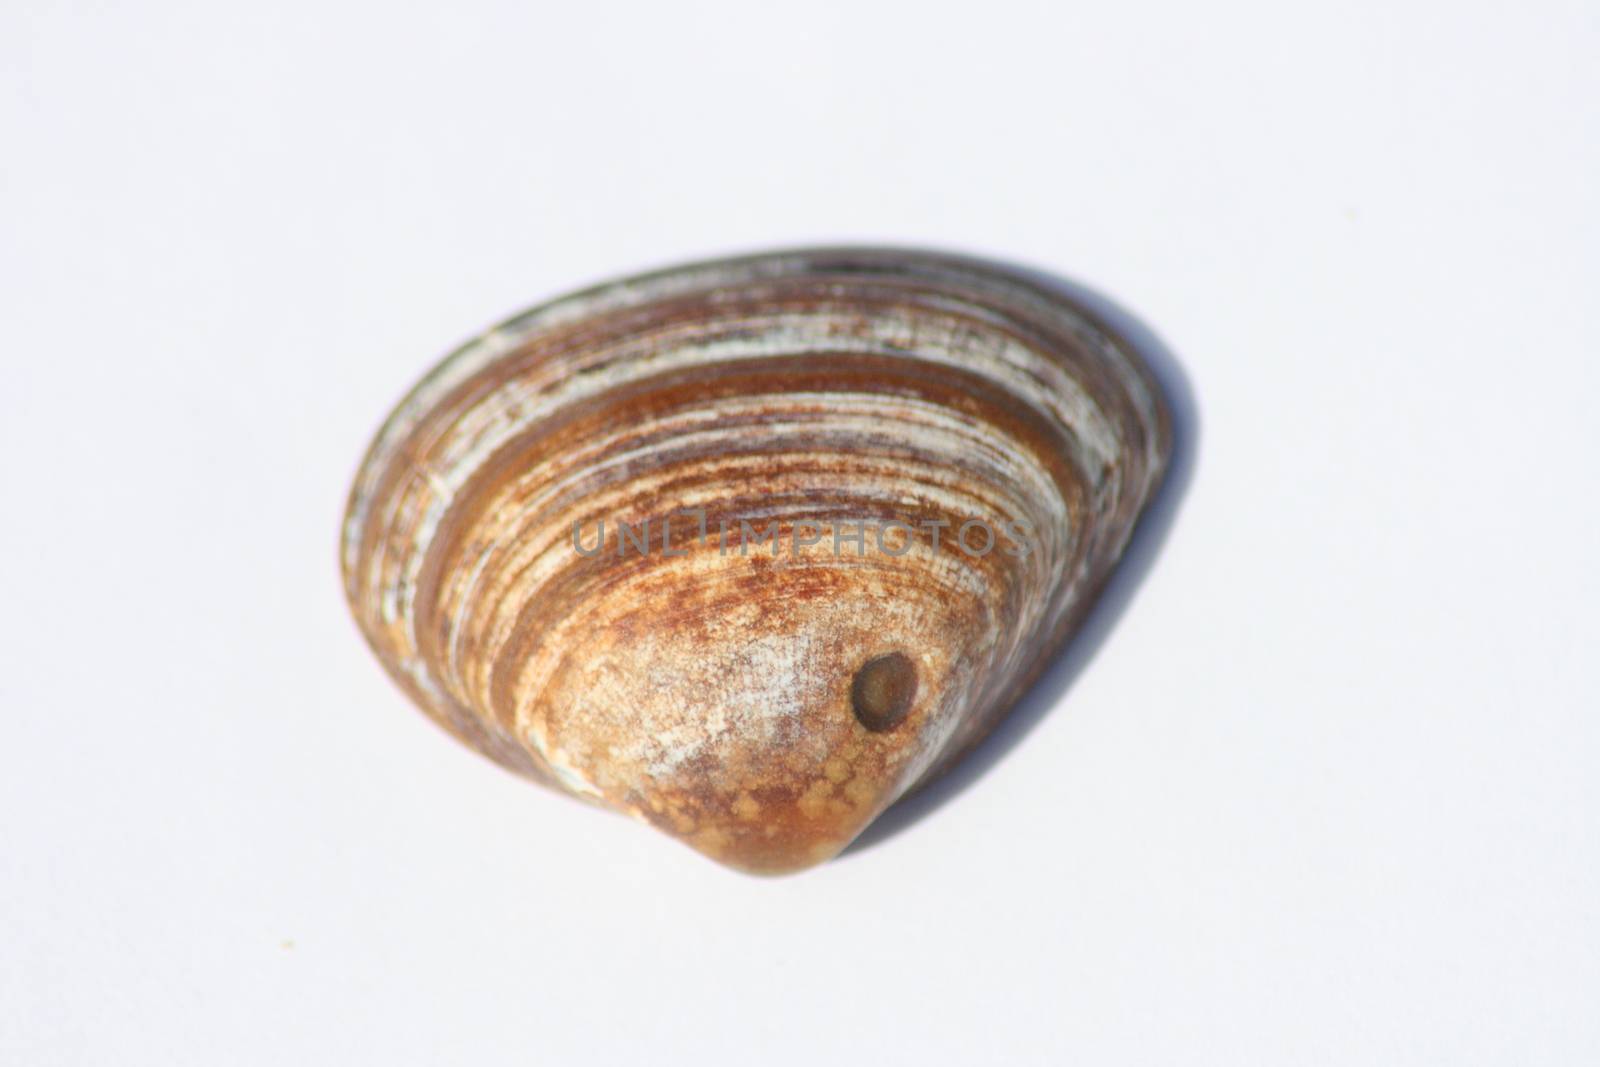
1325 794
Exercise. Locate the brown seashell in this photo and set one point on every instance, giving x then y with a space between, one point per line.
554 542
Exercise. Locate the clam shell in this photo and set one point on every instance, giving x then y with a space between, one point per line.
555 542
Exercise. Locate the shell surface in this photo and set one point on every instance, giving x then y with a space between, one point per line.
708 545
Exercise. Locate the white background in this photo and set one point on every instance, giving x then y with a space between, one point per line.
1318 788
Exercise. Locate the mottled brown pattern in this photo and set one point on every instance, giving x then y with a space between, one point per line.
763 707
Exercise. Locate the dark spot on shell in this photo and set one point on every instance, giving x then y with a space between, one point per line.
883 690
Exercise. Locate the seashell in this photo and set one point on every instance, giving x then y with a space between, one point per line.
749 549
